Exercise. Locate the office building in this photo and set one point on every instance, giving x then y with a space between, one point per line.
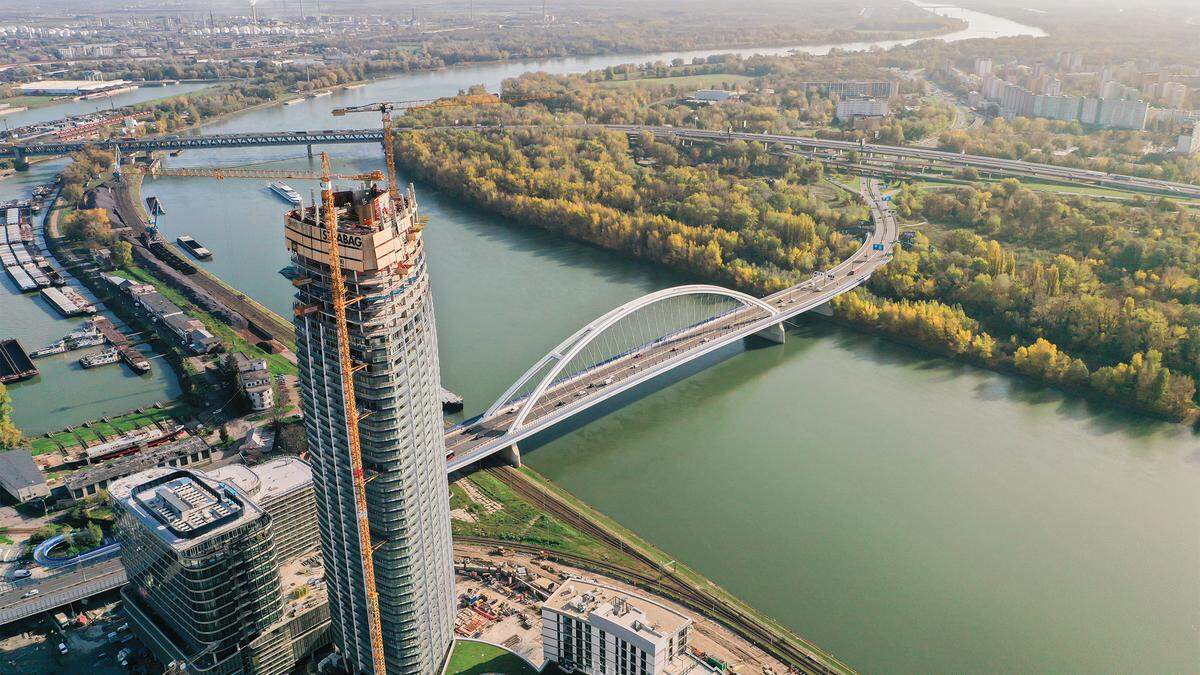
1189 141
602 630
214 573
283 487
392 333
850 108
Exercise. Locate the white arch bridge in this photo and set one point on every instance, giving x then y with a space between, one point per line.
651 335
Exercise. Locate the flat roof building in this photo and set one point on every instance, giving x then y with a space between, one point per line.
603 630
71 87
849 108
190 451
20 476
713 95
208 587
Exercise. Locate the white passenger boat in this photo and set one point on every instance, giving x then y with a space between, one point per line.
286 191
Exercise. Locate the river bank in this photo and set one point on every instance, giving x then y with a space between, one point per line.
906 513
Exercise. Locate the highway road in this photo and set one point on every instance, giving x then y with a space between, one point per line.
476 439
909 153
61 589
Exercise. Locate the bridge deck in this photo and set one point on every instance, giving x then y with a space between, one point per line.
480 438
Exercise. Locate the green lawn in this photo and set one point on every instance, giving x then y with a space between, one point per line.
116 427
477 658
30 101
707 81
521 522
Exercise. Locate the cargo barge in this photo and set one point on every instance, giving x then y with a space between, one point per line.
68 301
15 364
19 256
194 248
132 357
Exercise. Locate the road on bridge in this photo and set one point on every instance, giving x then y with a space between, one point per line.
911 153
61 589
478 439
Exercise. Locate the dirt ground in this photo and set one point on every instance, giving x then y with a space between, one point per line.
709 636
30 647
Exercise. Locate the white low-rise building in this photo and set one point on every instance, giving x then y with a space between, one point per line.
1189 142
254 379
849 108
596 629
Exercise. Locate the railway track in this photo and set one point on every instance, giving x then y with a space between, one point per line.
659 580
266 321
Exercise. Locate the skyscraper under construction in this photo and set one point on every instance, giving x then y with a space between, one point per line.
392 350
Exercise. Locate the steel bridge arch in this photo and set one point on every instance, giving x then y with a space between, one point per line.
578 341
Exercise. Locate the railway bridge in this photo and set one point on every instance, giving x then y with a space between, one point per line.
20 151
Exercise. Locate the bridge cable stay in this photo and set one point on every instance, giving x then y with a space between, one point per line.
599 343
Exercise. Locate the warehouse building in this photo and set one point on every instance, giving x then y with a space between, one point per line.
73 87
20 476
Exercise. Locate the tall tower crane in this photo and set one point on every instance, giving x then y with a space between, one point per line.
347 367
386 108
326 214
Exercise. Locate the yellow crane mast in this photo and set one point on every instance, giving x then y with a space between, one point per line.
346 365
385 109
327 216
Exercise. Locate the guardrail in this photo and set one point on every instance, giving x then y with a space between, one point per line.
70 585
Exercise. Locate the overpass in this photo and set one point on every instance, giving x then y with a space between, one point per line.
929 157
918 156
78 583
650 336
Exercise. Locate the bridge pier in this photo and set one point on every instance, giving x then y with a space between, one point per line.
773 334
510 455
310 152
19 162
824 310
